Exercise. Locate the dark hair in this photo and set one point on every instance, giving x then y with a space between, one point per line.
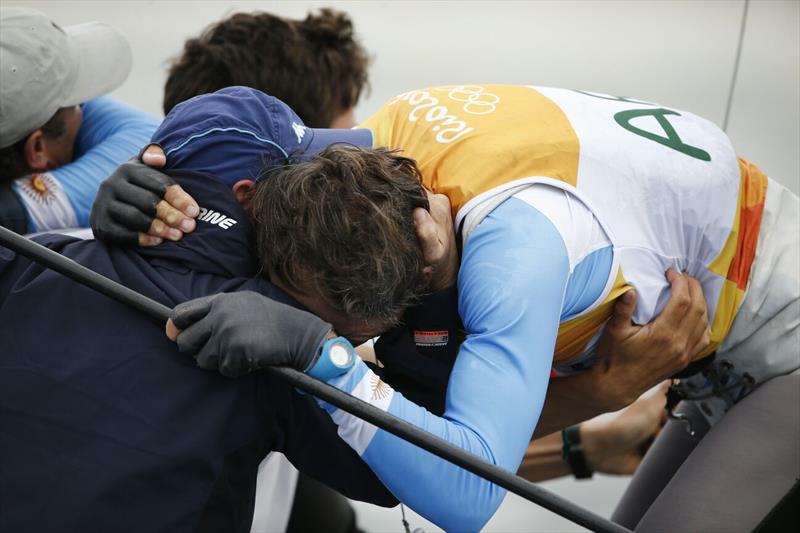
12 158
315 65
340 226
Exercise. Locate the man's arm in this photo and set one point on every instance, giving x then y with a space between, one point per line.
617 392
311 443
511 309
613 443
631 359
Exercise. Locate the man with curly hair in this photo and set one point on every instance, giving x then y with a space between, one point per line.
318 65
315 64
565 201
309 216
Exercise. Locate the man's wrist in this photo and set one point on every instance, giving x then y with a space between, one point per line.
318 352
595 440
335 357
595 391
611 389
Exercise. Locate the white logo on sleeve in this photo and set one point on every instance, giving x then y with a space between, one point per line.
353 430
299 130
216 218
46 202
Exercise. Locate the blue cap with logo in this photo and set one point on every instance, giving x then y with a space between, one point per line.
237 132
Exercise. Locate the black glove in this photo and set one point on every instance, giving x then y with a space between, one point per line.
126 203
244 331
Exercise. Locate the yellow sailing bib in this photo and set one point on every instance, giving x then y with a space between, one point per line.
665 184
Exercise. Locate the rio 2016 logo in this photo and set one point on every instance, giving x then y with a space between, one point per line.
475 99
448 127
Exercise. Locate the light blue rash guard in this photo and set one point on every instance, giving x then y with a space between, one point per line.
110 134
515 286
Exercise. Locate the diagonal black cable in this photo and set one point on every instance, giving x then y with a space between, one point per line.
397 426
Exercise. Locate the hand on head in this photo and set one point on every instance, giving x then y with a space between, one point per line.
138 204
175 210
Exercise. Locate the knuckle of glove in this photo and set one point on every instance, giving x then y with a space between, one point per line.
232 367
98 228
224 367
185 347
104 229
187 313
99 210
208 361
124 173
158 182
106 189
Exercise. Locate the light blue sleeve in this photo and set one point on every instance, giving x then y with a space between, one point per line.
111 133
512 282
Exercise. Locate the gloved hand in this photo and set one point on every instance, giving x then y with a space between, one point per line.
242 332
139 204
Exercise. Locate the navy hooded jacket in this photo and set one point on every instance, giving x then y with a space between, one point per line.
105 426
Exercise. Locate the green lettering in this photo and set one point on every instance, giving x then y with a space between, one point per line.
672 139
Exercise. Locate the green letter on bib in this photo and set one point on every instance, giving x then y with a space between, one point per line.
672 140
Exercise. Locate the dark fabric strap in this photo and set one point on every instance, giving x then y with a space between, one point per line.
572 453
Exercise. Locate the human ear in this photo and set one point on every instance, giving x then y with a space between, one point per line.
242 189
36 156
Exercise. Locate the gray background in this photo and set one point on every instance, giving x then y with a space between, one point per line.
679 53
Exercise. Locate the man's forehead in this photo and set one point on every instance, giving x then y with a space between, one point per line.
345 325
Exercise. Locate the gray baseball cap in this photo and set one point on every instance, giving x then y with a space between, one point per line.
44 67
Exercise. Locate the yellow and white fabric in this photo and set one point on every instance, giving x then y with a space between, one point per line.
665 185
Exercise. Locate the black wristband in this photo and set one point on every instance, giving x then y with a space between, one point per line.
572 452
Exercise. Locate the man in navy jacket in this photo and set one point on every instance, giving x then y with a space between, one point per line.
106 427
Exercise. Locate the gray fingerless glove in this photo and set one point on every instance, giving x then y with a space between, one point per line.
126 203
242 332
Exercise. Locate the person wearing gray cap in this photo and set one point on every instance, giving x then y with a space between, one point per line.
58 140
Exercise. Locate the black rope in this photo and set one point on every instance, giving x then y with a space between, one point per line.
397 426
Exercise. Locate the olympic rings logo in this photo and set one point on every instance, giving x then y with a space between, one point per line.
475 99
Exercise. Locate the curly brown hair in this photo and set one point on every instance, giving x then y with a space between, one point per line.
340 226
316 65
